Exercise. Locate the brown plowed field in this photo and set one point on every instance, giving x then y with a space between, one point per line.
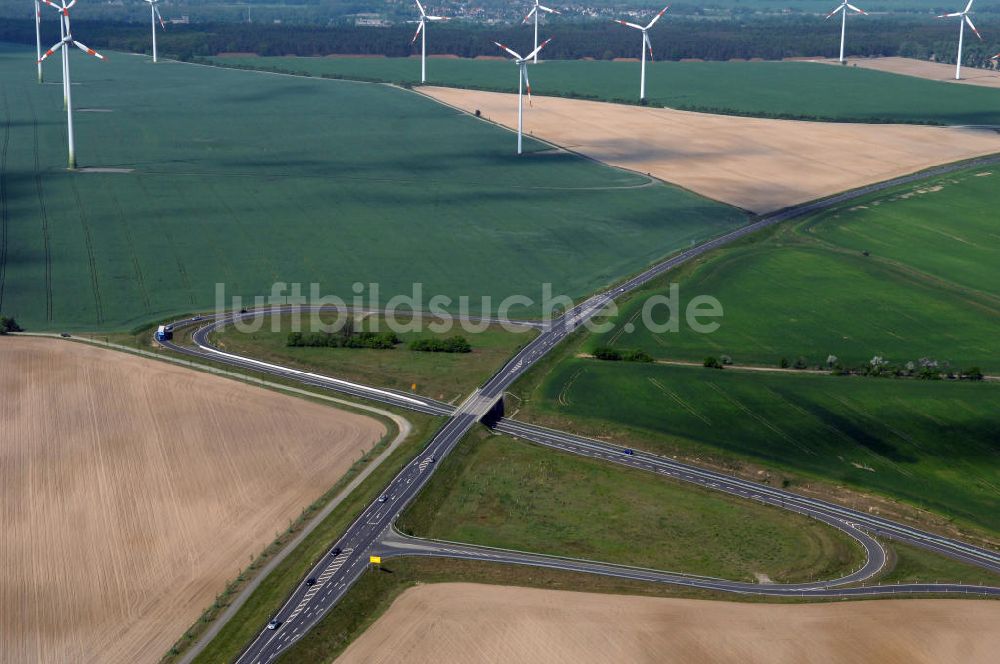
753 163
461 623
131 490
934 71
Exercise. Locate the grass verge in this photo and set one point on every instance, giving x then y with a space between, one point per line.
498 491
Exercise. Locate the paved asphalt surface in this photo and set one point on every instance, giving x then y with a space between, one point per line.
372 531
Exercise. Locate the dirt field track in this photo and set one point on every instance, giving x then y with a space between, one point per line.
131 490
475 624
935 71
753 163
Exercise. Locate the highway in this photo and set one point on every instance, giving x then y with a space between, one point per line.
372 530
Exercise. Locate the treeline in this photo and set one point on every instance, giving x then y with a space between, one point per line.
768 38
376 340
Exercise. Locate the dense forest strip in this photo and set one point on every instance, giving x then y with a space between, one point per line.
770 38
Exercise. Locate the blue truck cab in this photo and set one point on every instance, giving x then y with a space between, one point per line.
165 333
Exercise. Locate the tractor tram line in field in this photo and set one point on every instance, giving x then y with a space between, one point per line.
43 214
373 532
4 220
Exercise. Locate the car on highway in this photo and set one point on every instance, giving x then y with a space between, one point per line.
628 451
310 581
383 498
274 624
335 551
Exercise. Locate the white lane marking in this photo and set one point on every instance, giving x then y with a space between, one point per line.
330 570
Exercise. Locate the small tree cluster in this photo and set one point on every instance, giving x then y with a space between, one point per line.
616 355
376 340
712 362
9 325
456 344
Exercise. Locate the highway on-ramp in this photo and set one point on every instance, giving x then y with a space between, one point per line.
372 530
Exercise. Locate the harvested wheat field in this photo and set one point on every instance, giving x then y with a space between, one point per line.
934 71
131 490
471 624
753 163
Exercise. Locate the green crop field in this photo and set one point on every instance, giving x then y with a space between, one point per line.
442 376
248 179
933 444
771 89
498 491
930 286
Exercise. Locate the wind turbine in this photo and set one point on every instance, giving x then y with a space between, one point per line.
38 37
154 14
422 33
645 44
63 10
66 41
844 7
522 81
963 19
534 12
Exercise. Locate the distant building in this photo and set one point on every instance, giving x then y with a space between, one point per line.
371 21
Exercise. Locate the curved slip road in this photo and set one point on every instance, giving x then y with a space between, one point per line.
347 560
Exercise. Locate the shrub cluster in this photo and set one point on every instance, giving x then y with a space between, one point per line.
378 340
615 355
925 368
454 344
9 325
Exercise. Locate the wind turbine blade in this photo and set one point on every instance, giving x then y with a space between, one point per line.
968 7
52 4
549 9
527 83
649 44
631 25
529 15
162 24
438 18
540 47
969 21
995 57
834 12
51 51
420 7
73 2
420 26
853 8
89 51
509 50
657 17
952 15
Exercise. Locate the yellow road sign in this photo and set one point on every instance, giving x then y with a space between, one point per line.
375 560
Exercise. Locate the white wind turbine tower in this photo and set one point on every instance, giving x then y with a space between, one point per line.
154 14
843 9
645 45
422 33
962 20
63 10
534 12
522 81
64 44
38 37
